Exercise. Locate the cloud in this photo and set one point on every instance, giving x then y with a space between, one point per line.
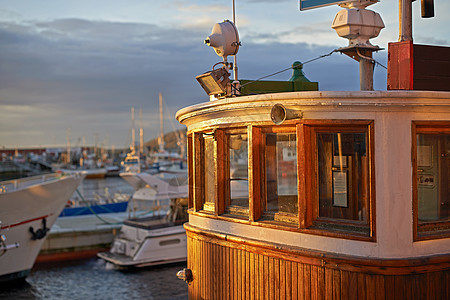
89 71
316 33
86 75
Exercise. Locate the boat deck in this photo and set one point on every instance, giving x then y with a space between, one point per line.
153 222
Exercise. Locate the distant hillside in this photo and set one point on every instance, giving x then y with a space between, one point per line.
170 140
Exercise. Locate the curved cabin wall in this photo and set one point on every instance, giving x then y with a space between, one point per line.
229 267
246 257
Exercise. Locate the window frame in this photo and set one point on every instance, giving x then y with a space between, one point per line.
197 190
310 221
190 162
305 172
433 229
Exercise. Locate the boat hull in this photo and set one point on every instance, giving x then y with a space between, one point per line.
232 267
30 207
140 246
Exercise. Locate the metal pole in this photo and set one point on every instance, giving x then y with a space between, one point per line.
365 75
405 20
133 133
161 123
366 67
235 69
141 134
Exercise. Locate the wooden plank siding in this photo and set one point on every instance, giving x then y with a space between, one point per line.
228 270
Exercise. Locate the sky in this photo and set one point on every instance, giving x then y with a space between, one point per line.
73 69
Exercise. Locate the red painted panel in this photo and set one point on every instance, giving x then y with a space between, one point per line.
418 67
400 67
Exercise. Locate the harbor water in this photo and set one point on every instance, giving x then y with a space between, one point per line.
93 278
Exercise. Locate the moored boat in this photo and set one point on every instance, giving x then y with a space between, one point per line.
116 207
156 239
28 209
80 236
85 227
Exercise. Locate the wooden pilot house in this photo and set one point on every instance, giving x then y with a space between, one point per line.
322 194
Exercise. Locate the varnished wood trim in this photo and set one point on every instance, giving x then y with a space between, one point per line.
221 165
335 123
198 168
414 180
254 172
303 176
278 129
372 190
326 259
348 235
190 159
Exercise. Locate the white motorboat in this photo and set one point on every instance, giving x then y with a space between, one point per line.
156 239
28 209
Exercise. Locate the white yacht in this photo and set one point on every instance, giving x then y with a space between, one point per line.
156 239
28 209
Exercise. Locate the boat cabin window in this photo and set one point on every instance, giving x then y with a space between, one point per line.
280 201
237 172
339 168
431 179
342 175
209 172
314 176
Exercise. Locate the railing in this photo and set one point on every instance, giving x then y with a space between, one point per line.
15 184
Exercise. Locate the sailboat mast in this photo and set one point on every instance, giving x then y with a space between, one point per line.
68 160
161 123
133 137
141 134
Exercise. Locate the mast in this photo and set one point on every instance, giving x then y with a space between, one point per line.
133 138
68 160
141 134
161 124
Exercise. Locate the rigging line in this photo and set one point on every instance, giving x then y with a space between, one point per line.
322 56
93 212
377 63
273 74
373 60
284 70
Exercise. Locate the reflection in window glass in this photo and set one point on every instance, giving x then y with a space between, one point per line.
433 177
238 162
209 173
343 175
281 173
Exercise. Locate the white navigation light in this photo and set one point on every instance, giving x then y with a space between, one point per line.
358 25
224 39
